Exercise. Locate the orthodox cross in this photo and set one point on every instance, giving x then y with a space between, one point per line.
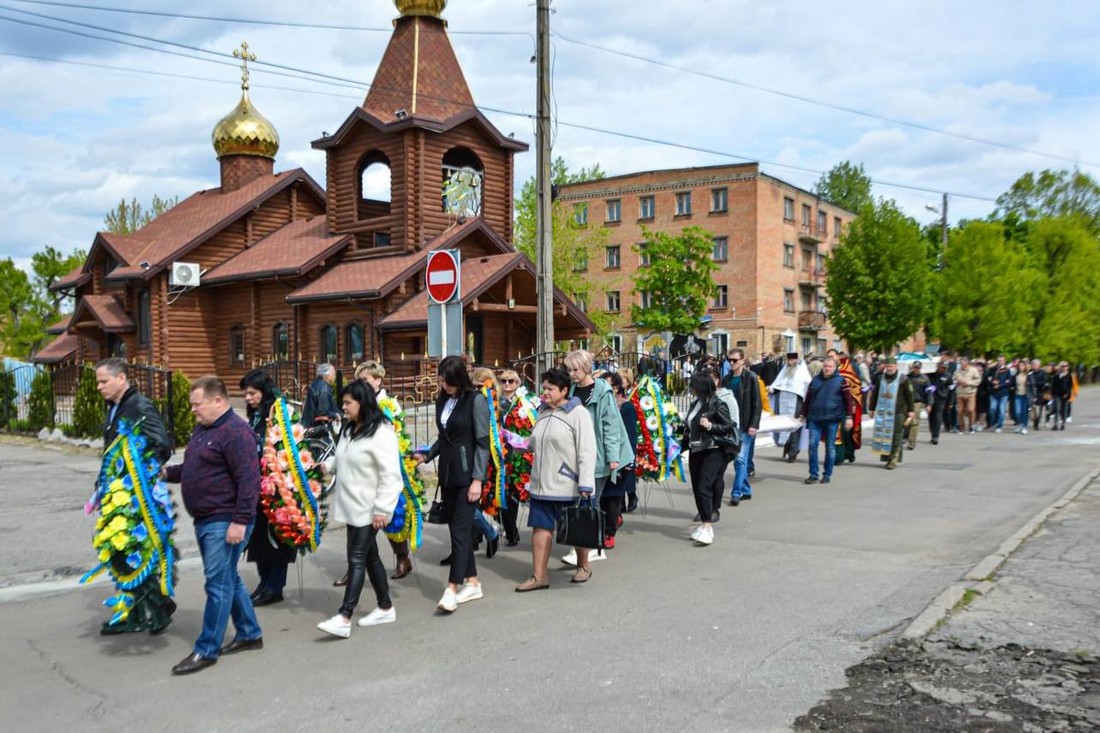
243 54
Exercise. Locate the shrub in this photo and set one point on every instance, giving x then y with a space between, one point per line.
183 422
40 412
89 409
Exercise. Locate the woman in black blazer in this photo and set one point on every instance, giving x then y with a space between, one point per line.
462 419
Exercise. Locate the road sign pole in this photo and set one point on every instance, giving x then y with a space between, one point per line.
443 330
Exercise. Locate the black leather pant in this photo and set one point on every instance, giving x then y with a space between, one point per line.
363 562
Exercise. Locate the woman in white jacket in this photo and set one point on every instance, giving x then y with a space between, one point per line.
367 488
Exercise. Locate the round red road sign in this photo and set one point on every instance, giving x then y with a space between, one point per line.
442 276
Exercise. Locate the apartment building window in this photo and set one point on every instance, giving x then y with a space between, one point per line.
822 222
836 226
615 342
721 298
788 255
580 213
683 203
580 264
614 211
613 303
807 300
788 300
788 209
614 257
719 200
582 301
819 264
646 208
643 254
647 300
807 259
807 212
721 249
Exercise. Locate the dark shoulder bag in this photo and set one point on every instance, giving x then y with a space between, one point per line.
582 525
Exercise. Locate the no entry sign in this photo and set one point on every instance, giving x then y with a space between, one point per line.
442 275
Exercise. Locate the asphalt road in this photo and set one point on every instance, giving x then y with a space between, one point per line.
744 635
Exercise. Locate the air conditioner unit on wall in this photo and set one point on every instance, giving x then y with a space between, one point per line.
185 275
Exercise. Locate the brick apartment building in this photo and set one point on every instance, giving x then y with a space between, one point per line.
770 243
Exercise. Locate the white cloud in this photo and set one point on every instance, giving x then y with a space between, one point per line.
74 139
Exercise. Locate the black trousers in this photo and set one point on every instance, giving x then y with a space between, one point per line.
460 522
707 483
936 418
509 516
363 560
612 507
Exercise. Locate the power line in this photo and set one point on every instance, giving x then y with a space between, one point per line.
596 47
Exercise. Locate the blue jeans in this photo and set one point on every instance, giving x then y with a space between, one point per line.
225 592
997 407
1022 407
817 429
741 467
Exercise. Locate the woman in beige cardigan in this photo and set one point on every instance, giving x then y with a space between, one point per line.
367 487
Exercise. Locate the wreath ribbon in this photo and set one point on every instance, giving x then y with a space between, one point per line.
298 474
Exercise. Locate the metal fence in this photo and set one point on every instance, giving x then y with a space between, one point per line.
34 397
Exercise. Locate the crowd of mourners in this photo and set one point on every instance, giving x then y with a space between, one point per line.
583 438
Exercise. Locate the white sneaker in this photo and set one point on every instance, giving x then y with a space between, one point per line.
593 556
449 601
706 536
1024 431
570 558
1069 419
469 593
998 430
336 626
378 616
698 531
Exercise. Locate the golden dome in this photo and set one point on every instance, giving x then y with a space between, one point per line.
245 131
434 8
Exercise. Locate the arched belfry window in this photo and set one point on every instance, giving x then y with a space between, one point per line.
328 343
375 185
463 179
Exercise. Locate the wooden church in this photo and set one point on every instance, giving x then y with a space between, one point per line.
289 271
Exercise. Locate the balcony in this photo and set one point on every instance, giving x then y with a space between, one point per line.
811 278
806 235
811 320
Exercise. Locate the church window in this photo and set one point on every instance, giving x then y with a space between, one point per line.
328 343
144 321
280 341
353 337
236 346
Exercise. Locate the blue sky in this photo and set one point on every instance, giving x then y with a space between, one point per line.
74 139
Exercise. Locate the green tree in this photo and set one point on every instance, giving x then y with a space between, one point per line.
574 245
40 412
183 420
986 291
1065 255
18 323
1052 193
847 185
679 280
878 278
89 410
129 216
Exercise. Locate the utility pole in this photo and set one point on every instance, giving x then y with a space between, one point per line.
943 227
543 216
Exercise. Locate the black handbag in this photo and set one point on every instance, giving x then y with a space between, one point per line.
730 443
582 525
435 511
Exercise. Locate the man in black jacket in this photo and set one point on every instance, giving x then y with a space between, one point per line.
124 402
745 386
320 402
153 610
920 385
939 395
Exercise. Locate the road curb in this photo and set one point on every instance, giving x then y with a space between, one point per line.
977 579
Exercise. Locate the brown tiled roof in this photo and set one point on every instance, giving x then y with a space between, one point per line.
189 223
72 279
294 249
60 349
478 275
107 312
372 278
61 326
419 73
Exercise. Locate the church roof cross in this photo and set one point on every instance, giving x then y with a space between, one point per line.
243 54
